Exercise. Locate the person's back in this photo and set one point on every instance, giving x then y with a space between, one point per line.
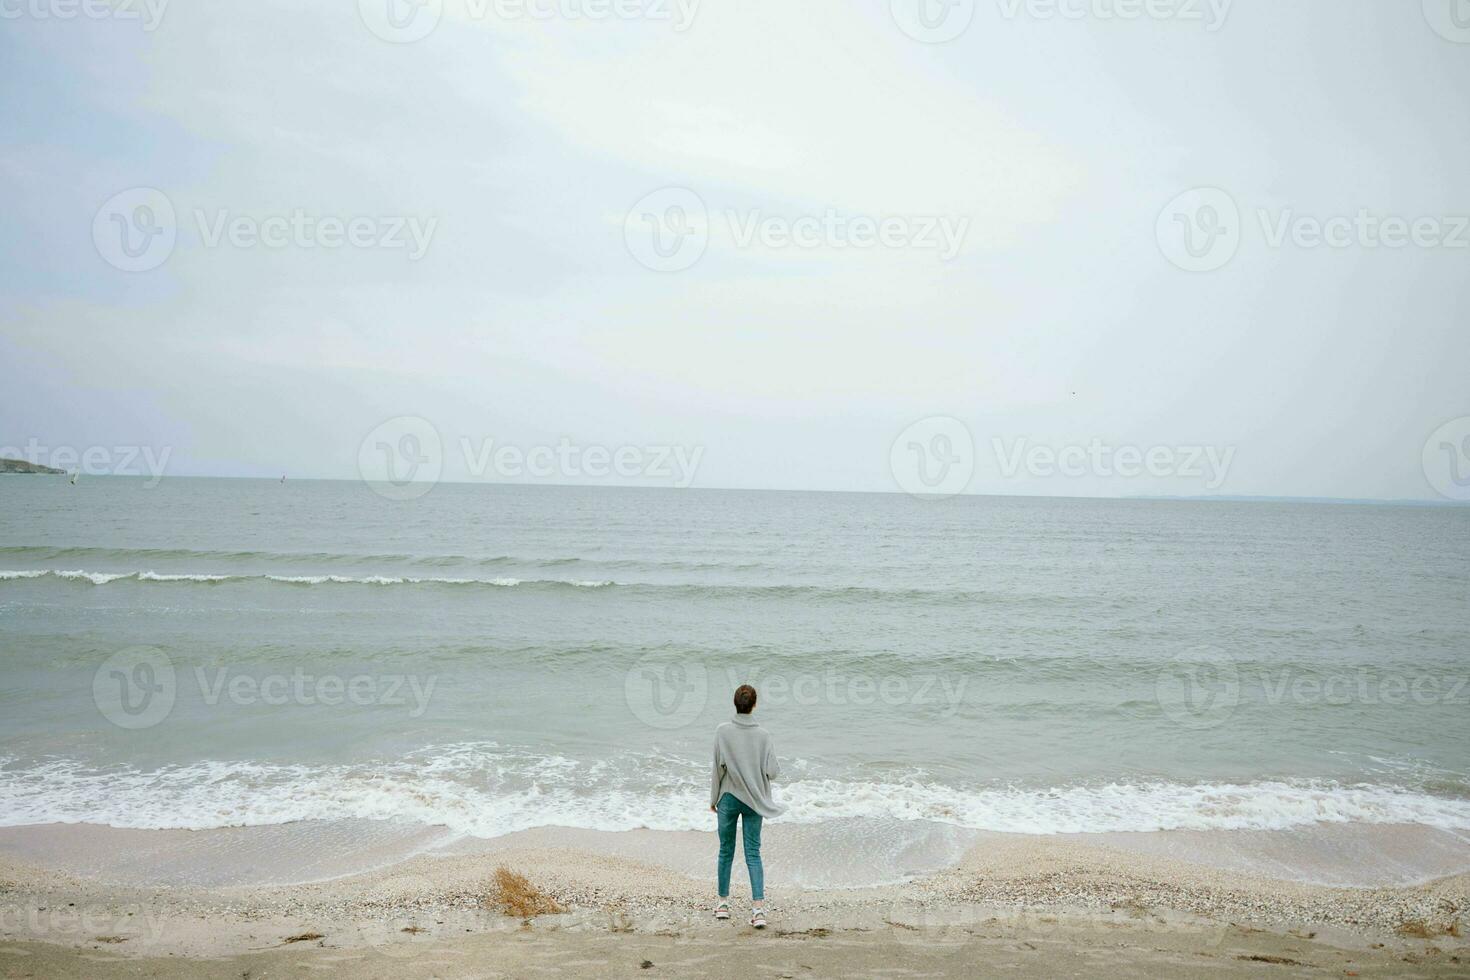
745 764
740 788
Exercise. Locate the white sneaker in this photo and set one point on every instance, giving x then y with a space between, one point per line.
758 917
722 911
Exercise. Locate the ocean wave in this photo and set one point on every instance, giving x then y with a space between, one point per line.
120 555
48 553
486 793
96 578
772 591
105 578
1057 605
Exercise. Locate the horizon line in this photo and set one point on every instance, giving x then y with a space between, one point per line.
935 498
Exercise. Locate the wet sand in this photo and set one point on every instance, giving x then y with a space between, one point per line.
854 853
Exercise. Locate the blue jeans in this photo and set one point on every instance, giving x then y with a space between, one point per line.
727 810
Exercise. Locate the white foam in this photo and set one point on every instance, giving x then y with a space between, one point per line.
96 578
485 791
1270 805
103 578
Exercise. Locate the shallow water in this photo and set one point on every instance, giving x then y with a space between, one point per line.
213 653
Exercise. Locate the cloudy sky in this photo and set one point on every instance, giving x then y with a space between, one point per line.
815 242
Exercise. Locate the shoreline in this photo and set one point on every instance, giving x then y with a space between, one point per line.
835 855
1043 901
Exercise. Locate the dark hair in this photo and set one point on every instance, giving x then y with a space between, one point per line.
744 699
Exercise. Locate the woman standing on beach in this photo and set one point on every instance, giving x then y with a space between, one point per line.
740 788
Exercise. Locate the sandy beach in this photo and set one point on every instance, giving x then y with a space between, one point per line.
1033 906
997 473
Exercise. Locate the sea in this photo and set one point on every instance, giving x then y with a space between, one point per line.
490 660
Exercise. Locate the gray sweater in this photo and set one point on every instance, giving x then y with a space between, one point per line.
745 764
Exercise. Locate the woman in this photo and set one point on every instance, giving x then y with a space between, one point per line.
740 789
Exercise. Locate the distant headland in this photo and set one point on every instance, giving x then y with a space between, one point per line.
21 466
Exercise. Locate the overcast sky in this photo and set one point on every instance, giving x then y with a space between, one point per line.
779 235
